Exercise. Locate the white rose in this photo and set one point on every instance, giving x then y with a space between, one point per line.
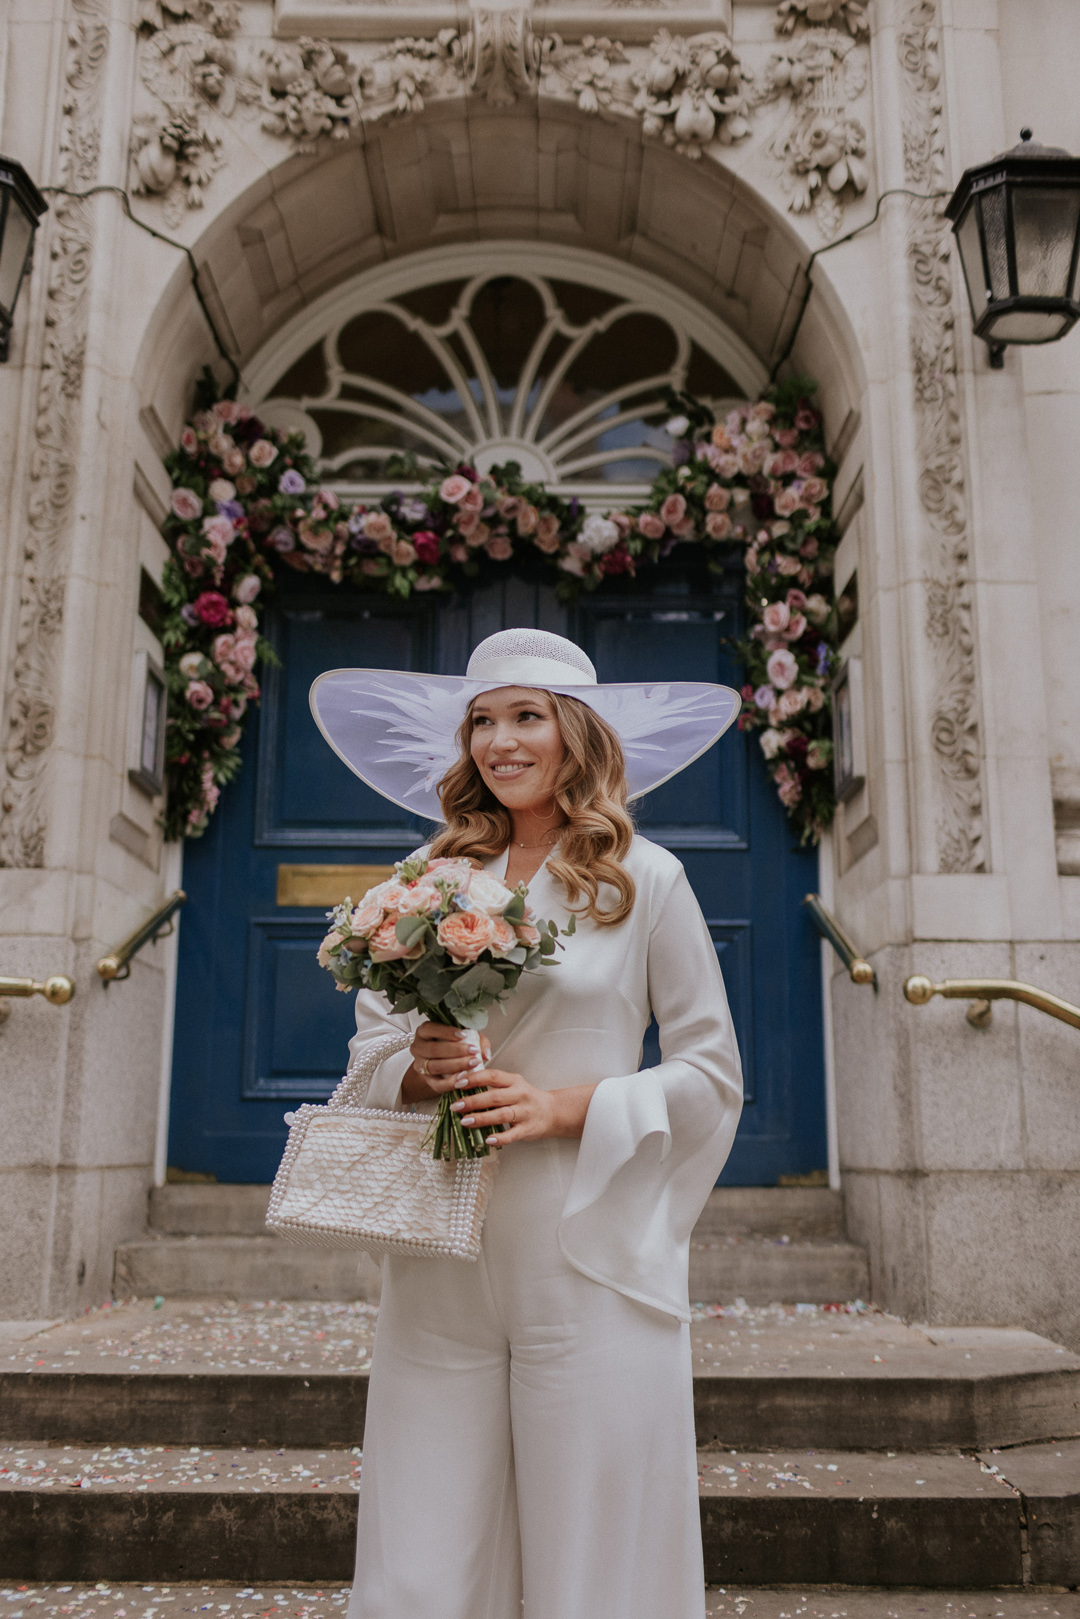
677 426
599 534
190 664
488 895
771 742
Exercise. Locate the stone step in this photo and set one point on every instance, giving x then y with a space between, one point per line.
760 1270
768 1270
763 1244
296 1375
784 1517
241 1267
196 1210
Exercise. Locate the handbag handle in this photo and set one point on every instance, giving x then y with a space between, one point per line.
353 1089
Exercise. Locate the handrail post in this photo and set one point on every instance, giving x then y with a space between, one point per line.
57 990
116 966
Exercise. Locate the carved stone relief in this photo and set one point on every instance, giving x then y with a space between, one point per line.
852 13
954 722
689 91
29 709
820 144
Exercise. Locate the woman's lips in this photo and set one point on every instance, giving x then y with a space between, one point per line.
506 771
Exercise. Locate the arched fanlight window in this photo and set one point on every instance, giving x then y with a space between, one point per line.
512 362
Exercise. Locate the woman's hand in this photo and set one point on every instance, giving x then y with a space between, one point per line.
524 1112
441 1061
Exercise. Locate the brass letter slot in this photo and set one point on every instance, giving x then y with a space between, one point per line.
325 886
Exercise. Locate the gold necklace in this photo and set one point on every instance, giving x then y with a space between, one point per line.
519 845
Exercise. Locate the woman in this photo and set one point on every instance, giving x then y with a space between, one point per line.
530 1424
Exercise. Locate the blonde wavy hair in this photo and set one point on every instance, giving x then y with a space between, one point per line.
590 789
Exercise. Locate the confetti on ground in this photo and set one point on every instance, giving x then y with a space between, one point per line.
175 1467
108 1600
211 1335
220 1335
808 1603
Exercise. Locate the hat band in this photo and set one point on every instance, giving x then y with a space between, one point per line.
524 671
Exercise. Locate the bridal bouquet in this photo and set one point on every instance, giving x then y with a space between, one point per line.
445 939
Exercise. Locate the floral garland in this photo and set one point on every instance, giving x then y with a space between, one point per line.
246 507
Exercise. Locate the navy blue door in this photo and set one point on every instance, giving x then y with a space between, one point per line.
259 1025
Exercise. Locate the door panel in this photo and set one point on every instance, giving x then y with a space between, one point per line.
722 818
259 1025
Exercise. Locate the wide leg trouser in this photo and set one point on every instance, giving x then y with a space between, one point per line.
530 1433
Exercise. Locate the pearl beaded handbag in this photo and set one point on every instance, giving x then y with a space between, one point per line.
359 1177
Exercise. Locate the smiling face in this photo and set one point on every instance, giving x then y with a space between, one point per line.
517 747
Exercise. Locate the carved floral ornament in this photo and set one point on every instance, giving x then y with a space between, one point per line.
688 91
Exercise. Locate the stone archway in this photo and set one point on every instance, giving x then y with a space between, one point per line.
538 170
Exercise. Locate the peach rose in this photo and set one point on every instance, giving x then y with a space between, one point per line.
385 945
775 617
718 525
378 527
458 873
527 518
464 934
527 934
480 535
419 899
403 553
504 938
782 669
367 916
467 521
473 501
547 541
651 526
499 548
323 953
717 498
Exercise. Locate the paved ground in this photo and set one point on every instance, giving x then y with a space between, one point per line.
106 1601
220 1335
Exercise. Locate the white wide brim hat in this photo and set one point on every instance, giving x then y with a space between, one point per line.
397 730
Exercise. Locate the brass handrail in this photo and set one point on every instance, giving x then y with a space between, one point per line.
919 990
57 990
116 965
859 969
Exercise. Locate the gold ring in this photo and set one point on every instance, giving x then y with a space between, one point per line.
513 1117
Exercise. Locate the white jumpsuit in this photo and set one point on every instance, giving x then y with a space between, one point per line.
530 1424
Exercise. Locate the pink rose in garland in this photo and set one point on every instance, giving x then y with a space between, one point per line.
186 505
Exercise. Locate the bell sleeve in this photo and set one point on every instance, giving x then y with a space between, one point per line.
374 1019
655 1141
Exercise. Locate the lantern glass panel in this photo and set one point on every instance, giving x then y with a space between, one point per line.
972 260
13 250
1044 223
1028 326
995 234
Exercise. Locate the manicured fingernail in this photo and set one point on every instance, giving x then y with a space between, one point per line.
469 1122
492 1141
462 1083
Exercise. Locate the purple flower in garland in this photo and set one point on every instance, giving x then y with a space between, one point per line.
291 482
413 511
231 509
822 658
189 615
281 538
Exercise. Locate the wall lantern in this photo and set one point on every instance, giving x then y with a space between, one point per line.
1017 225
21 206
